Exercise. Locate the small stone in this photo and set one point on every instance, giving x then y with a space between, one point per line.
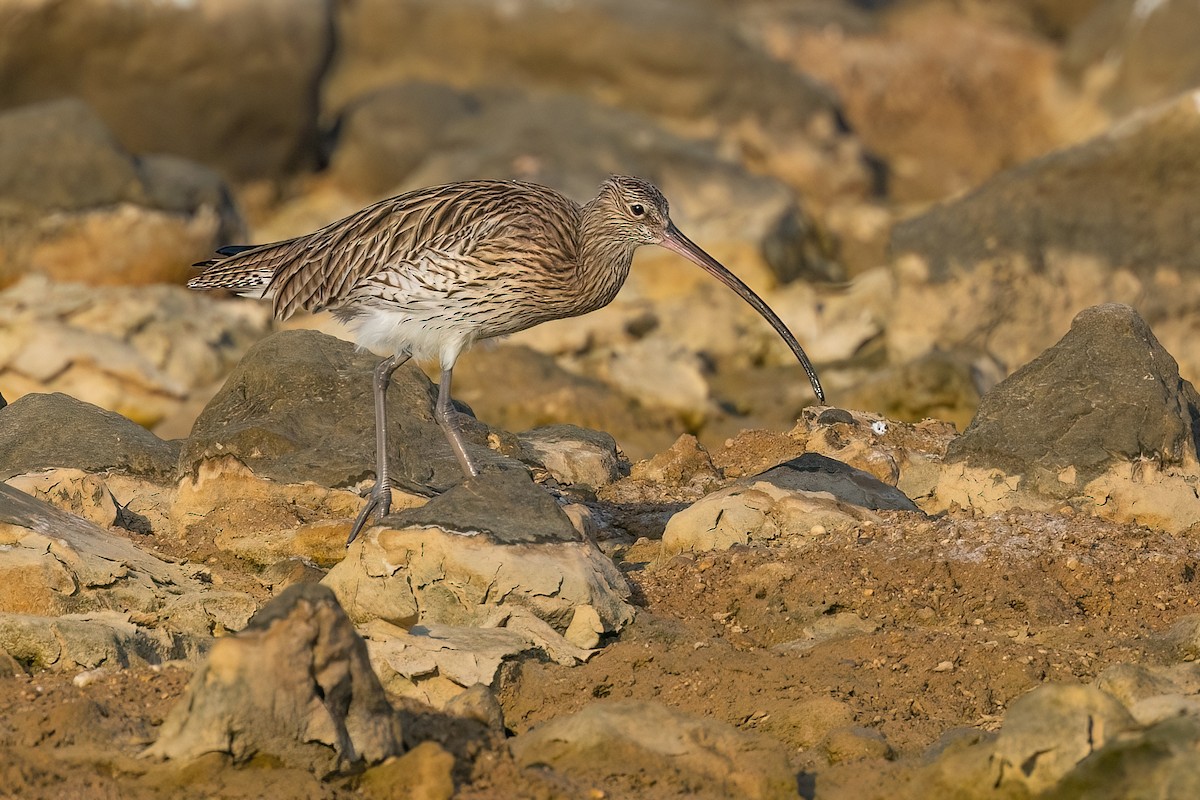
585 628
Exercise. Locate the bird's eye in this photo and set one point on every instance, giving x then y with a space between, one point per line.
637 209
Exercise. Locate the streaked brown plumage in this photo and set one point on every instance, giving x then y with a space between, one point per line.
429 272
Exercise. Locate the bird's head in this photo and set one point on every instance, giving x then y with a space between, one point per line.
636 209
633 212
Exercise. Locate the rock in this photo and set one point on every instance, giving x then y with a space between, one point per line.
437 664
1119 432
1162 756
740 515
148 353
226 507
55 563
1134 54
248 101
685 464
813 472
575 455
1009 264
295 685
585 628
1181 642
851 743
806 497
43 431
287 571
423 773
212 612
517 389
695 756
479 703
682 63
71 642
299 408
494 540
1050 730
79 207
930 92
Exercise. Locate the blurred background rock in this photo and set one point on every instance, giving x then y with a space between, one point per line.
927 191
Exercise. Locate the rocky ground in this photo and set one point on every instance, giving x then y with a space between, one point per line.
972 574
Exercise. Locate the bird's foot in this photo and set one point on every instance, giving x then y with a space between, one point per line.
379 504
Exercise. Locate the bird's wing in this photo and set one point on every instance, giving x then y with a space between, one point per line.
431 241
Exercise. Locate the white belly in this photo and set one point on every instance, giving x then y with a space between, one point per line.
388 332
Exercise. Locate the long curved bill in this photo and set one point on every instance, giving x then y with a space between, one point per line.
676 242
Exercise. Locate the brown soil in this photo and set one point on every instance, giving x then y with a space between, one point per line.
968 614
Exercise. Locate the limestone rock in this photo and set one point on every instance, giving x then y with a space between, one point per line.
700 756
1009 264
438 663
71 642
42 431
74 198
575 455
1050 730
424 773
1135 53
1161 756
806 497
1119 430
495 540
56 563
126 59
813 472
152 353
295 685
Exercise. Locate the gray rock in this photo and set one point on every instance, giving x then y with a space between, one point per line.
813 472
1106 393
693 756
299 407
296 685
505 506
1124 198
60 156
42 431
226 83
670 59
67 186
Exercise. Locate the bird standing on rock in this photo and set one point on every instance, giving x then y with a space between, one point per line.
427 273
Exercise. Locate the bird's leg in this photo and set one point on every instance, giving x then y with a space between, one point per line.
380 498
446 417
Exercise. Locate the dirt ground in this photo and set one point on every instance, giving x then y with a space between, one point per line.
920 628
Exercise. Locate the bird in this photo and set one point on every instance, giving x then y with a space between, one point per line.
429 272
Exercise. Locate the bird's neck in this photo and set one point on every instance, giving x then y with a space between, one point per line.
604 258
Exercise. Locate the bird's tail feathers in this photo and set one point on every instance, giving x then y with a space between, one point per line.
244 269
